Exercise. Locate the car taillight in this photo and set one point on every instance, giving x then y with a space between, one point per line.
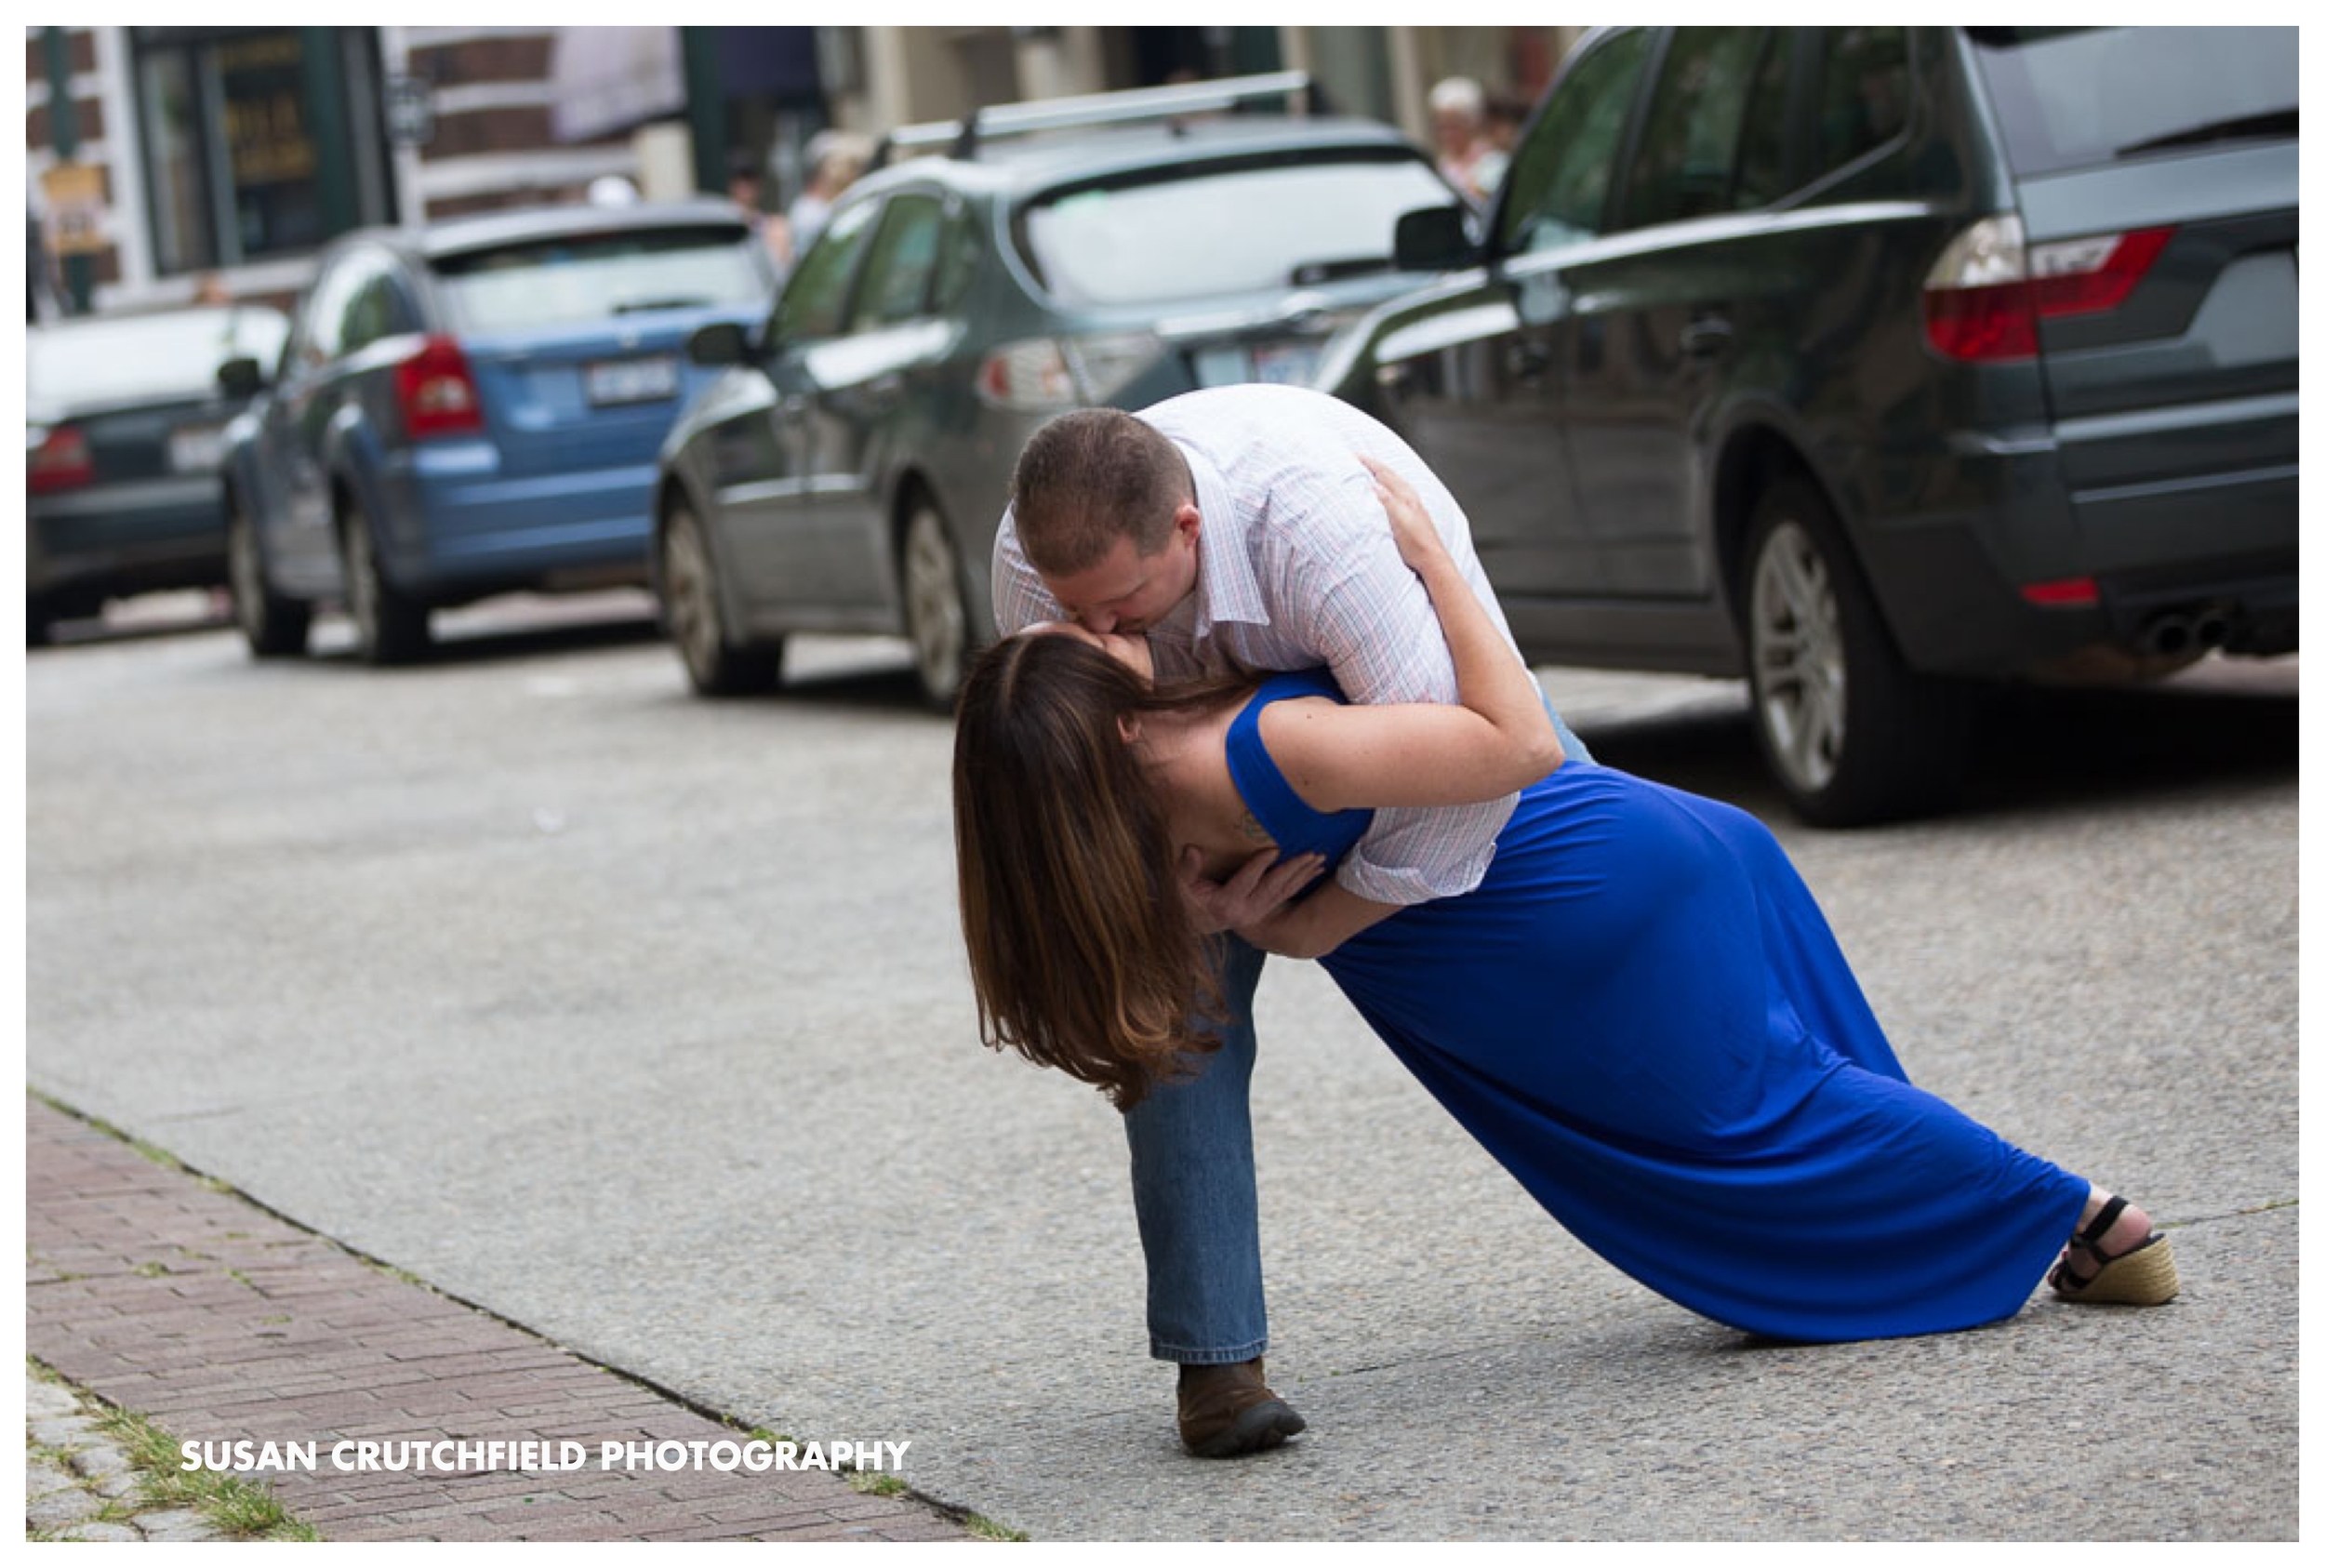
2062 593
61 462
1041 374
436 391
1988 288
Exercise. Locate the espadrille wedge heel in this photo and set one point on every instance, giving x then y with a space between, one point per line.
2142 1275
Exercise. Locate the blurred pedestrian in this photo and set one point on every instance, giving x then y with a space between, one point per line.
834 159
746 187
1504 117
1464 155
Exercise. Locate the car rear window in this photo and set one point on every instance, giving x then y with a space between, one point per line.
2073 98
1207 229
136 357
578 278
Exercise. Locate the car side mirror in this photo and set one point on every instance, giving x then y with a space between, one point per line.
721 342
241 378
1435 239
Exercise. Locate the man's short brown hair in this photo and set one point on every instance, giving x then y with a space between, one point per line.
1093 477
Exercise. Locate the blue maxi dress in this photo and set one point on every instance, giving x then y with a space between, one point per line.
1643 1015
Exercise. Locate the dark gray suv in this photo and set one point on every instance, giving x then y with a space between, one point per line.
1874 363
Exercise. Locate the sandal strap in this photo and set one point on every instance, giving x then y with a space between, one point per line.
2100 1225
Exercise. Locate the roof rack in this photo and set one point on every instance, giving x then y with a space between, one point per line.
1095 109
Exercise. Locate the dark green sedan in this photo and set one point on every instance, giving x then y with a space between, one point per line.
848 471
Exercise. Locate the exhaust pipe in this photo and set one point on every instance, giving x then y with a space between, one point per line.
2167 634
2210 629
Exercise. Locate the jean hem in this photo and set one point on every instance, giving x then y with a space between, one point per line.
1186 1357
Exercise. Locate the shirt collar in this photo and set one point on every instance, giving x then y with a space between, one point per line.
1225 587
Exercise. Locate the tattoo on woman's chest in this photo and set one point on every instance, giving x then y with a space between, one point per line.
1249 827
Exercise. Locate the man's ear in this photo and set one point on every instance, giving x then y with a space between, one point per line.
1187 520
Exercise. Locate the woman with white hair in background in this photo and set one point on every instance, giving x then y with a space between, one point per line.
1466 155
834 160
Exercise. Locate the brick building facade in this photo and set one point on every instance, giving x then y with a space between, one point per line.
228 155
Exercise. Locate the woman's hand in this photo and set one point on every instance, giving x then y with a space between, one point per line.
1418 538
1315 925
1255 893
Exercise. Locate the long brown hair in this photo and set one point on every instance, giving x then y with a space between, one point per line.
1081 948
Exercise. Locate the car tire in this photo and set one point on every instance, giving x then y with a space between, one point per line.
936 607
274 626
40 623
390 627
689 587
1851 735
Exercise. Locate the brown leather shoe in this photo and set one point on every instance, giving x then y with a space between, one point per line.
1224 1411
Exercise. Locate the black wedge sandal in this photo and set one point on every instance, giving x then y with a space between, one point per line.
2141 1275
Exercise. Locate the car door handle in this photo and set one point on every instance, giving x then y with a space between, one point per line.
1705 336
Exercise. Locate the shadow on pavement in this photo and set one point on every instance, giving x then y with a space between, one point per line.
456 648
93 631
2035 748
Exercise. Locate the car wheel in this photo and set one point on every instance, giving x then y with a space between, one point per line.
389 628
1852 735
690 608
936 615
40 622
272 625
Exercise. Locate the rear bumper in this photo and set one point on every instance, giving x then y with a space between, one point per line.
453 525
2203 559
121 538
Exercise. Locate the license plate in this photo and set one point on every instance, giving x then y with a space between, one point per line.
197 448
1286 364
631 381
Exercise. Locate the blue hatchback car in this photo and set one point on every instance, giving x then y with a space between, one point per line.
472 409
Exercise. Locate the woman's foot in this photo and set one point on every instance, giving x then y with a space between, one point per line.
2117 1256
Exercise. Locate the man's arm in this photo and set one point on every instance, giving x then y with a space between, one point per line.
1333 567
1496 738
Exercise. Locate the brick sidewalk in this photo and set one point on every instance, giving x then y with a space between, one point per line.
221 1322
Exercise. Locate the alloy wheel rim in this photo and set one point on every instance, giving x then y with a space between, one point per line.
693 609
1799 663
931 604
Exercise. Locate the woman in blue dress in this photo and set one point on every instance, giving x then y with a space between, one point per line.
1640 1012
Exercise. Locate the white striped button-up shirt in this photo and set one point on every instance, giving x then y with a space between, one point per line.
1297 568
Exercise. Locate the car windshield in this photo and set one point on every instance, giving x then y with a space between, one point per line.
2072 98
129 358
576 278
1207 229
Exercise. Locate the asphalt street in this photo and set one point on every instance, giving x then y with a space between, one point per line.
643 1022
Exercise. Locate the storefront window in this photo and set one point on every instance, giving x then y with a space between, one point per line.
269 152
239 162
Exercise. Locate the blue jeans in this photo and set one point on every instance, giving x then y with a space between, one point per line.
1192 1181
